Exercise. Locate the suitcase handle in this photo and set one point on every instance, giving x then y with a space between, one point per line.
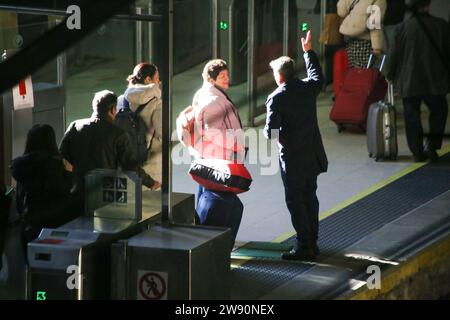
389 129
390 93
388 135
382 61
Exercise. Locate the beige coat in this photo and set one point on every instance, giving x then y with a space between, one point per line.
152 114
359 16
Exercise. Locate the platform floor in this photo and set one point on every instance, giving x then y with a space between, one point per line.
351 172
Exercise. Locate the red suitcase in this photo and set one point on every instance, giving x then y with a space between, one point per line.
359 89
340 66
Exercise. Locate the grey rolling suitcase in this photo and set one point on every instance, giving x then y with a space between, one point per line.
382 129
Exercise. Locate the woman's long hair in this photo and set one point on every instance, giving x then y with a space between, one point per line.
141 72
41 137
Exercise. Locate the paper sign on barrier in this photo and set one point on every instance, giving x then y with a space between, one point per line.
23 97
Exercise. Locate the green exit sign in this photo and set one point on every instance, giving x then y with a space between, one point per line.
41 295
223 25
304 27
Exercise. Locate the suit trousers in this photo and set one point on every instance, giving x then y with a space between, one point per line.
438 106
302 203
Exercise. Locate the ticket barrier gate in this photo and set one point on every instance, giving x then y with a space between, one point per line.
172 262
54 264
73 261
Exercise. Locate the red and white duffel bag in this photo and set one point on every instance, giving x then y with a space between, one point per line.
221 175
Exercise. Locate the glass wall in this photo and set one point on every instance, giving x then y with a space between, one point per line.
104 59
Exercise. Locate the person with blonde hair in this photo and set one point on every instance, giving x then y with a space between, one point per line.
361 38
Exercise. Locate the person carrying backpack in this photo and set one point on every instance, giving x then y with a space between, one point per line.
143 93
132 123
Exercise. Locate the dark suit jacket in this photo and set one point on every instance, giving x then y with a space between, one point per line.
291 109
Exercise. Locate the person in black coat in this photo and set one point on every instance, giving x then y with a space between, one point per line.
421 73
97 142
291 112
5 202
43 183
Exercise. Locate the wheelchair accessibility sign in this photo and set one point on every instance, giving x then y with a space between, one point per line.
152 285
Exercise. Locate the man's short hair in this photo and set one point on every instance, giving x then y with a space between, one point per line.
213 68
103 102
284 66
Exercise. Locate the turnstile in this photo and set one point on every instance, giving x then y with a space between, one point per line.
82 246
73 261
54 258
172 262
81 249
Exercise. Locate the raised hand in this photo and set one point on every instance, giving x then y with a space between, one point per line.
307 44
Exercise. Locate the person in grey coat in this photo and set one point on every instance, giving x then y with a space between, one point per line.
421 74
143 89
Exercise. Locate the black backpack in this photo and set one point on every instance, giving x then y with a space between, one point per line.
135 126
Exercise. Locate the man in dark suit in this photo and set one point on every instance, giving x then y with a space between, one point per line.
291 114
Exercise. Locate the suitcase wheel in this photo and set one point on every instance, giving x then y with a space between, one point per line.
370 154
376 159
340 127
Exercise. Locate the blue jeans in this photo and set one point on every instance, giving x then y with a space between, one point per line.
199 193
220 209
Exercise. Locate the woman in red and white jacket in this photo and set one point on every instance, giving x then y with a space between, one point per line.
217 123
218 134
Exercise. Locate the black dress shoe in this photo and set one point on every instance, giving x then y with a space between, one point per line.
432 154
420 157
301 254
